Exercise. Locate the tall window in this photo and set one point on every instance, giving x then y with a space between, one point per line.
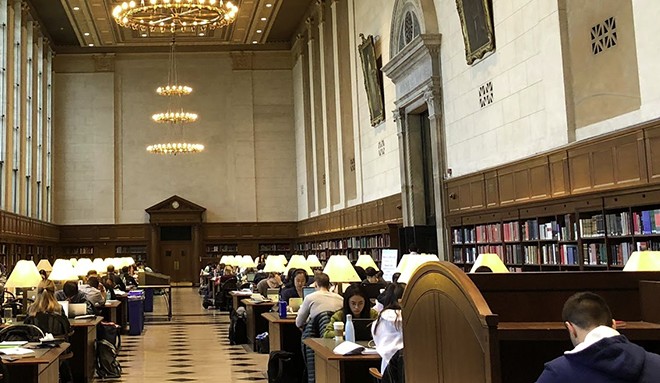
49 133
3 98
409 29
29 105
16 136
40 126
427 165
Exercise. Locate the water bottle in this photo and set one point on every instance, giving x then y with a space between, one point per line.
349 330
282 309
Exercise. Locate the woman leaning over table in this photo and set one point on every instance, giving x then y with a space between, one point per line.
356 303
387 330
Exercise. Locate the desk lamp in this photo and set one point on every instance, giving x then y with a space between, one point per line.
83 266
299 262
643 261
99 265
313 261
274 264
492 261
365 260
45 265
248 262
223 259
340 270
63 271
25 276
413 262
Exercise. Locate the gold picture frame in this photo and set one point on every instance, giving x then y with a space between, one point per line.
477 26
372 80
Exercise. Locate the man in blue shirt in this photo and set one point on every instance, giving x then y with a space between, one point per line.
601 354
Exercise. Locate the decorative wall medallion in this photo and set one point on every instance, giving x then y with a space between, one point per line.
381 148
486 94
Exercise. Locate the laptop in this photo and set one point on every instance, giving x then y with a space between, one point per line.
65 307
307 291
362 328
77 309
273 294
294 304
250 277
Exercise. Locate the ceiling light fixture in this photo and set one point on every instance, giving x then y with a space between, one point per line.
269 5
263 19
175 16
76 8
86 33
259 31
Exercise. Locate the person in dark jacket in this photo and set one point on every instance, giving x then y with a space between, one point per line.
601 354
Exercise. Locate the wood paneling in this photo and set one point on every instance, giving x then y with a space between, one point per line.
104 233
652 146
20 229
559 185
492 191
468 194
524 182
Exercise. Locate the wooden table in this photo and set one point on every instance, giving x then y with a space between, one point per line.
256 324
333 368
82 345
43 368
122 313
110 311
237 297
283 333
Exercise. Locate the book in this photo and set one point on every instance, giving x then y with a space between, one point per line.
348 348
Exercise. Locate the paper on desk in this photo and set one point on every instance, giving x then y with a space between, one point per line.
348 348
12 344
48 337
369 351
16 351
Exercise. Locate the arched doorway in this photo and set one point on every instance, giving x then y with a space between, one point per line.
176 241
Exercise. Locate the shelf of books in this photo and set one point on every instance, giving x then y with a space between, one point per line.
138 252
275 249
598 234
217 250
78 251
352 246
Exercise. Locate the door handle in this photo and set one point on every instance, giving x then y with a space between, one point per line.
176 265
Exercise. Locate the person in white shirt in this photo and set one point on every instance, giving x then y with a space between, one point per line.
387 330
319 301
94 291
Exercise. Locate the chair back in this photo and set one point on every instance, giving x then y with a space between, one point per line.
21 332
55 324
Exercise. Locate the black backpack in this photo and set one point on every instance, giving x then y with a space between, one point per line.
238 327
107 366
109 331
282 368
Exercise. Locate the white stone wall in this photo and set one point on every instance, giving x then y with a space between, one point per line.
247 171
84 148
299 124
528 114
646 14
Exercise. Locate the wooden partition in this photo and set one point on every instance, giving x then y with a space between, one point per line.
504 327
448 329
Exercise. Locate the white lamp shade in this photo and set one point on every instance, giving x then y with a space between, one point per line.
274 264
223 259
25 274
83 266
283 258
299 262
313 261
63 271
643 261
413 262
231 260
44 264
129 261
365 260
111 262
340 270
74 261
99 265
247 262
492 261
403 262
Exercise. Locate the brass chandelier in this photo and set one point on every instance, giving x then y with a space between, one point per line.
174 91
175 16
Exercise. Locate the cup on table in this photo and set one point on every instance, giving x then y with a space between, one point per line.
339 330
7 314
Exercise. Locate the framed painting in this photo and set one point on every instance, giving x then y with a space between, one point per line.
477 26
372 80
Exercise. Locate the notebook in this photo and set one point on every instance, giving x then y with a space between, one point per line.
362 328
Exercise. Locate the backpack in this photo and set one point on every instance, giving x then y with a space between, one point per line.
107 365
109 331
238 327
282 369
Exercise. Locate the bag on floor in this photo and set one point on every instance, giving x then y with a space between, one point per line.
109 331
238 327
107 366
282 368
262 343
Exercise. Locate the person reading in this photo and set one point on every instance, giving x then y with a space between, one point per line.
356 303
601 354
319 301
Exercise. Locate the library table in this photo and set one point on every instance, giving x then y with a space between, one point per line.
110 310
82 345
237 297
283 333
256 324
44 367
333 368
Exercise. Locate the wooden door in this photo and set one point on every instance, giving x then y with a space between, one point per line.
176 261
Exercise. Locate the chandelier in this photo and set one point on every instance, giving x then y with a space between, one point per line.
175 16
174 91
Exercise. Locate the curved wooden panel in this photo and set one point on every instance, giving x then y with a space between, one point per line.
448 329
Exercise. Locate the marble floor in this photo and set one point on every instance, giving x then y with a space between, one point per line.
193 347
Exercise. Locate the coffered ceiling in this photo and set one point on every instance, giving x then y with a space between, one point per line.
87 26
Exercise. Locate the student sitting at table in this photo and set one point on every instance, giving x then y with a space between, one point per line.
356 303
71 294
601 354
387 330
319 301
48 315
127 278
94 291
274 281
295 287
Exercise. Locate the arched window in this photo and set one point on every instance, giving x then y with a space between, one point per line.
409 29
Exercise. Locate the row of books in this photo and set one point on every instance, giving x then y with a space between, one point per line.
130 249
646 222
274 247
222 248
594 254
593 226
373 241
618 223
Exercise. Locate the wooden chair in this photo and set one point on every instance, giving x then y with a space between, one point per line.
376 374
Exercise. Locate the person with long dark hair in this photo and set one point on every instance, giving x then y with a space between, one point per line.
295 288
387 330
356 303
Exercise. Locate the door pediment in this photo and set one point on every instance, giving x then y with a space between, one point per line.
176 210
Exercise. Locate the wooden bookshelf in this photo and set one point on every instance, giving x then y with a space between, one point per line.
275 249
138 252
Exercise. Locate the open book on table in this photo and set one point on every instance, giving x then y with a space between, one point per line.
348 348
